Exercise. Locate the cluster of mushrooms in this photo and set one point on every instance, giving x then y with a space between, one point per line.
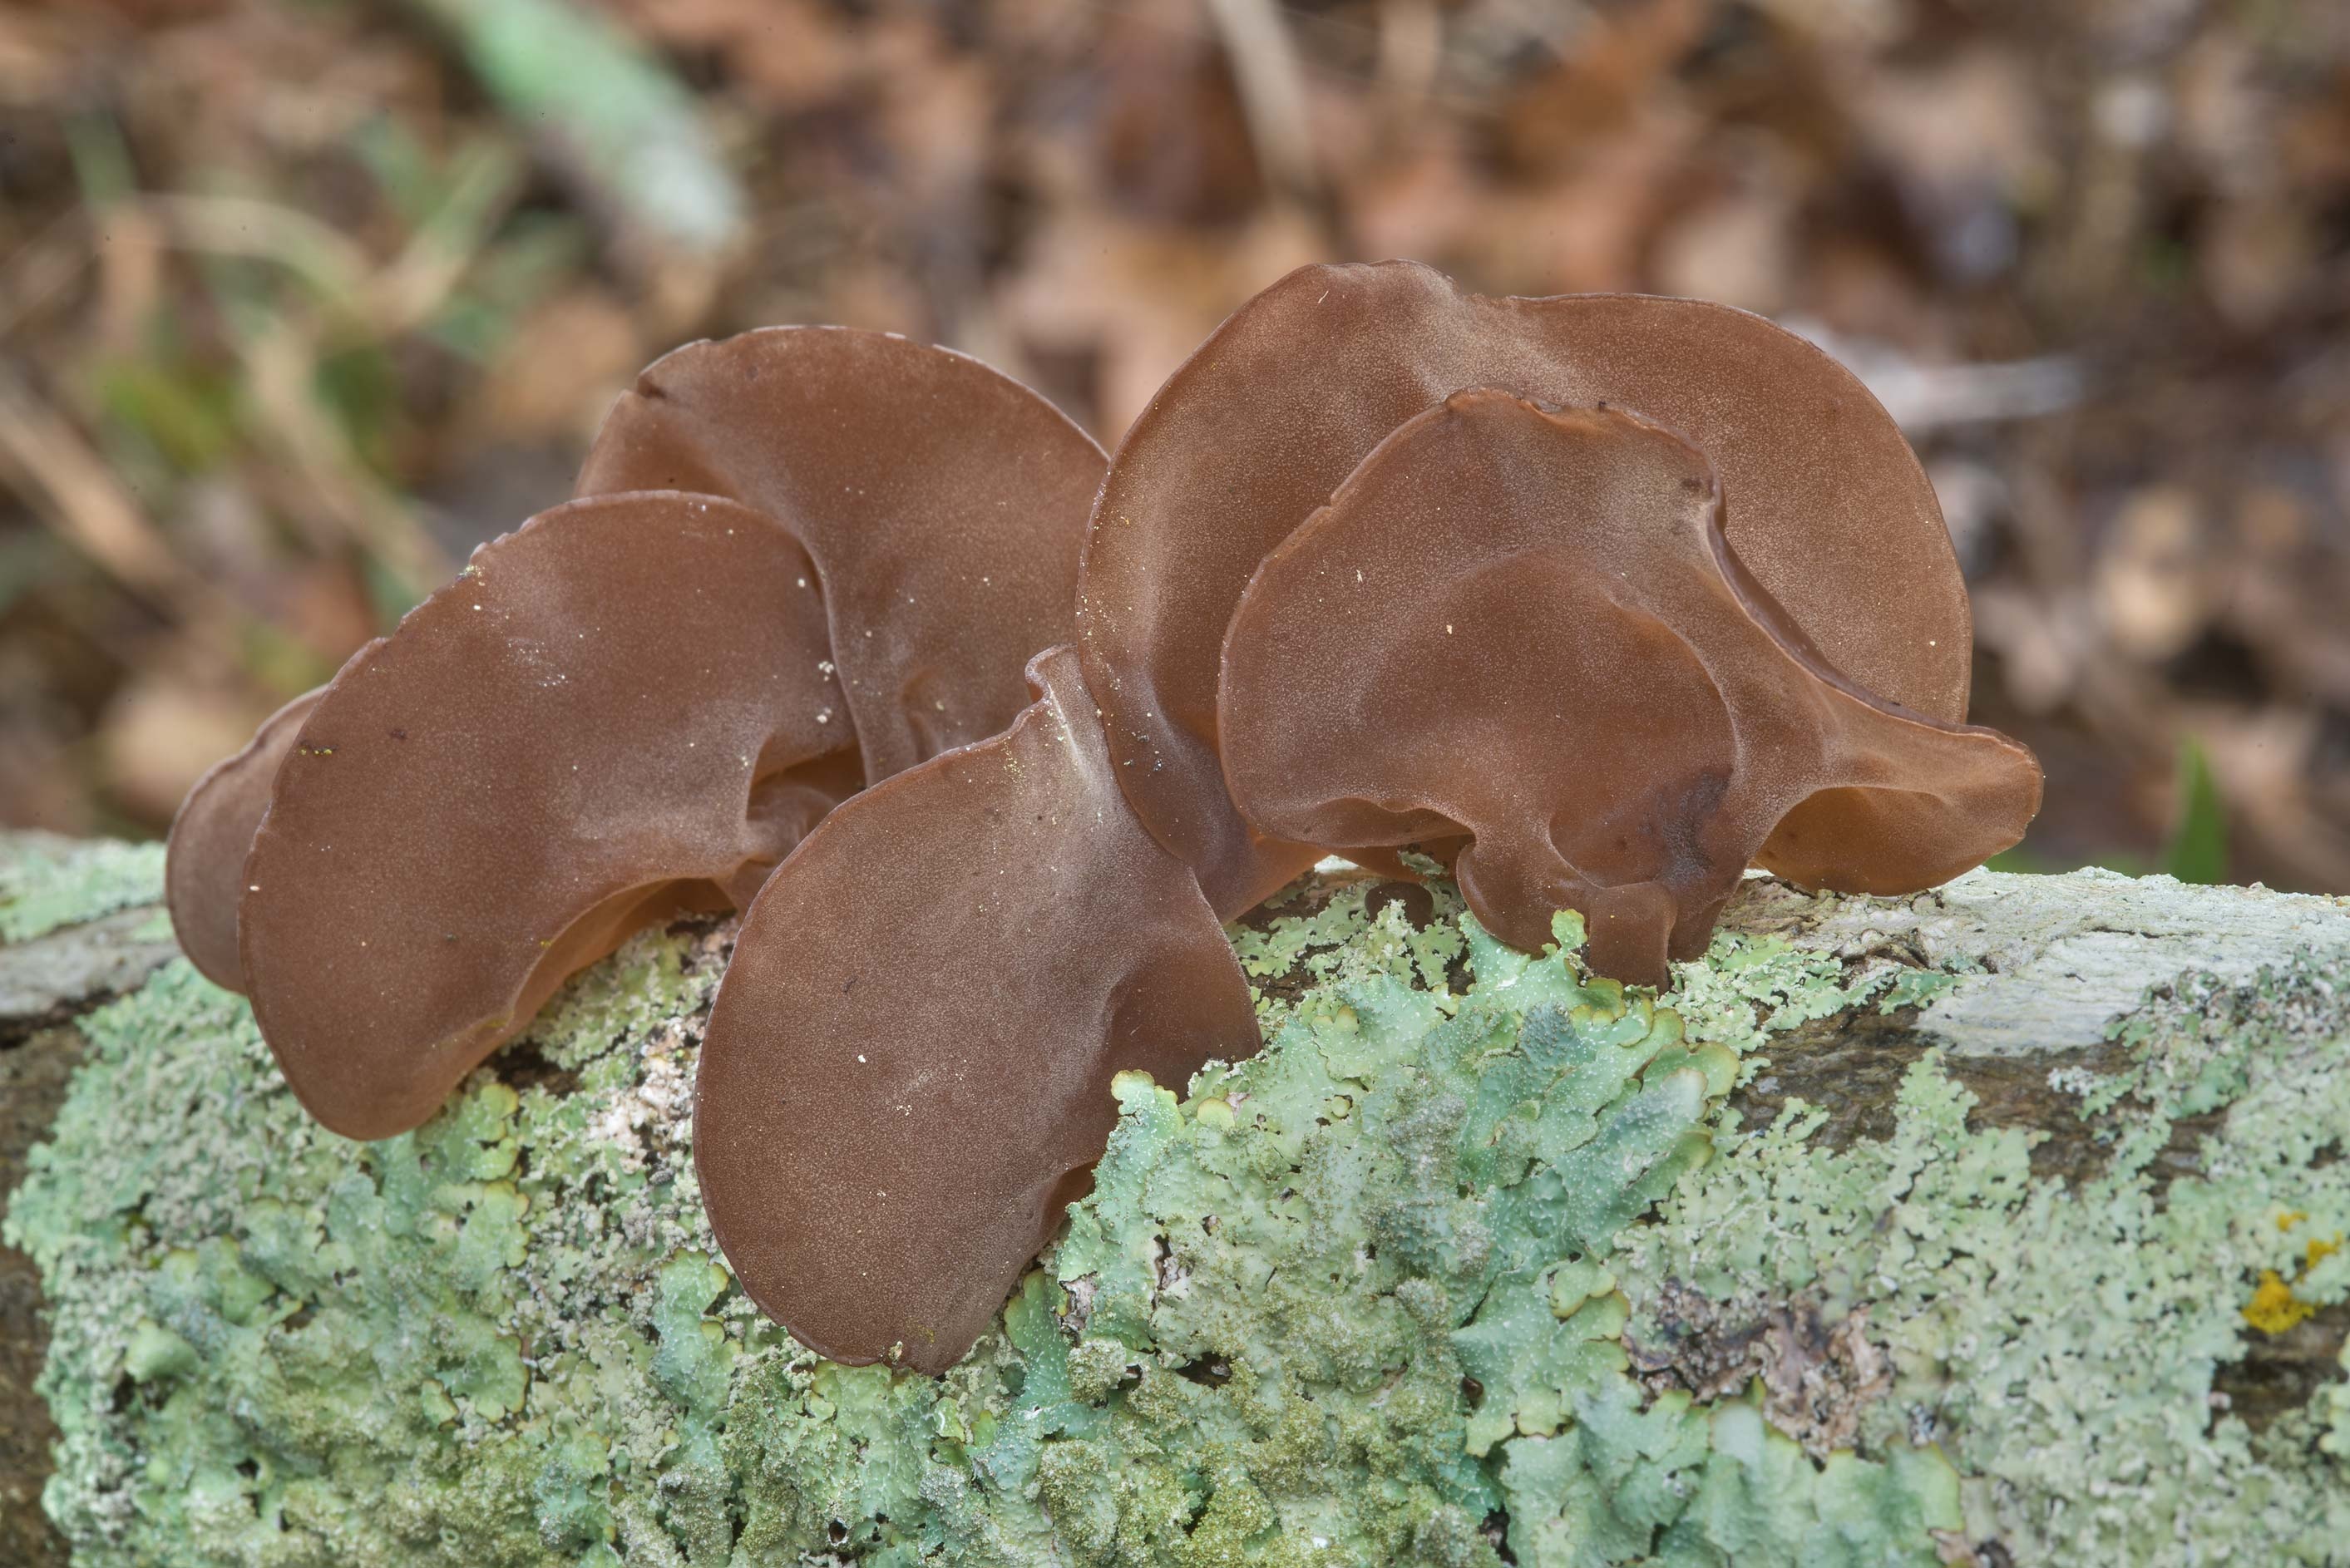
1600 600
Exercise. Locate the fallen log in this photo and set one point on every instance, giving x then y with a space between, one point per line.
1999 1224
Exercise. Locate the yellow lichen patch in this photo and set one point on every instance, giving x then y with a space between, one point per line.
2274 1308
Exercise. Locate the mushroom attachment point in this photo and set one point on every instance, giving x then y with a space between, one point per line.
907 1073
943 503
203 868
1262 424
615 713
1531 627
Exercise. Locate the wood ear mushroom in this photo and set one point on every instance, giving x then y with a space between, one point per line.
1600 599
906 1077
1529 626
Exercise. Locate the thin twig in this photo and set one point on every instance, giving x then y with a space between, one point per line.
1272 86
78 495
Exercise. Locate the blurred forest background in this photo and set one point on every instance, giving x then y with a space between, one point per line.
301 299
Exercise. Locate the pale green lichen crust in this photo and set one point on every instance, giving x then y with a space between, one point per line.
49 882
1478 1261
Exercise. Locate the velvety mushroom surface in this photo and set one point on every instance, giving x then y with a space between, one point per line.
943 503
620 710
203 869
1531 626
1272 413
906 1077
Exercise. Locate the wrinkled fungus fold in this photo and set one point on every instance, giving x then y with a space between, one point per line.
1269 416
944 502
906 1074
203 869
619 711
1531 626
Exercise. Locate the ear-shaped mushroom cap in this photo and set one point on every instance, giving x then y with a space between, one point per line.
944 502
906 1077
1266 419
618 711
1530 626
203 869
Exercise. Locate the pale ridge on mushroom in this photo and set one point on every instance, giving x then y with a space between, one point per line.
906 1077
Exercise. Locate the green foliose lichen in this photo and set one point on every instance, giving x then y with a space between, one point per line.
1473 1263
47 883
2069 1344
1749 988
